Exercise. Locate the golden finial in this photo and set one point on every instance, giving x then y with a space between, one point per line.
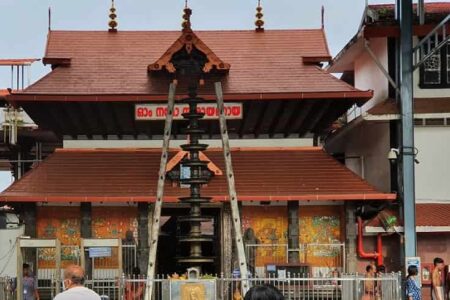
187 12
112 18
259 18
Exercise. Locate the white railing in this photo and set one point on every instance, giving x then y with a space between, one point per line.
346 287
292 286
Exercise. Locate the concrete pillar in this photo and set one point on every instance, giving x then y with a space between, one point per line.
350 238
86 232
143 238
293 231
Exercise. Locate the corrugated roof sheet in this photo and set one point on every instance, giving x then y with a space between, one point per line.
131 175
116 63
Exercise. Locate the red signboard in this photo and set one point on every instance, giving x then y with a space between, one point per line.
146 112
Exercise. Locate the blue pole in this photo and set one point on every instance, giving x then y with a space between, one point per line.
407 150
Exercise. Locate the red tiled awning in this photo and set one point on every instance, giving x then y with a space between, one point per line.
433 214
131 175
421 106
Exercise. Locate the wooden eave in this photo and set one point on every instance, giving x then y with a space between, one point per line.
57 61
189 39
316 59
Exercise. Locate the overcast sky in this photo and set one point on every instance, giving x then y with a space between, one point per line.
24 23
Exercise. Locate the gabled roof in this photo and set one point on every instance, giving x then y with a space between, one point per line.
267 65
188 40
118 175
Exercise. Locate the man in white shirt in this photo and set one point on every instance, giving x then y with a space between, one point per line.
73 286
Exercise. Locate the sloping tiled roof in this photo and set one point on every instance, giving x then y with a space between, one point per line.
433 214
131 175
268 63
421 106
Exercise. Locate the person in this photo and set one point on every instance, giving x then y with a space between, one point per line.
30 290
437 287
264 292
134 289
73 286
413 290
369 283
381 271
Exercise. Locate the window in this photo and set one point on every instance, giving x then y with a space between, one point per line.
435 71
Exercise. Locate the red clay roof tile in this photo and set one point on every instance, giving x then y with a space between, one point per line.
421 106
103 63
131 175
433 214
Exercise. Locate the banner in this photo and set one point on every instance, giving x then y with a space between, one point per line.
154 112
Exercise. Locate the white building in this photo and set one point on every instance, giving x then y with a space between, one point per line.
368 61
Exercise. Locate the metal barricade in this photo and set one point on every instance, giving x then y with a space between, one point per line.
346 287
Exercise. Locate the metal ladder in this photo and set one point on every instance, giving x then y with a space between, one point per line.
156 215
431 43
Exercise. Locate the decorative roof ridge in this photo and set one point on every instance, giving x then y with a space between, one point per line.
189 40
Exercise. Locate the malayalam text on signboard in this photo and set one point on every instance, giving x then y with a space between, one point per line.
145 112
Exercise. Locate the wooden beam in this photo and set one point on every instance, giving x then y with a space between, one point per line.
314 117
60 126
115 119
71 117
267 118
251 118
288 111
299 120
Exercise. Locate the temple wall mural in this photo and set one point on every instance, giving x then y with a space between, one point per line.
266 227
64 224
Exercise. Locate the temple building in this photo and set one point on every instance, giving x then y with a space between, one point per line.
104 102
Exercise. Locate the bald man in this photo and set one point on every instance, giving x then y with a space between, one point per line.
73 286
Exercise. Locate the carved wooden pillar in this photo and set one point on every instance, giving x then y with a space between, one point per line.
29 217
350 238
293 231
86 231
143 235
